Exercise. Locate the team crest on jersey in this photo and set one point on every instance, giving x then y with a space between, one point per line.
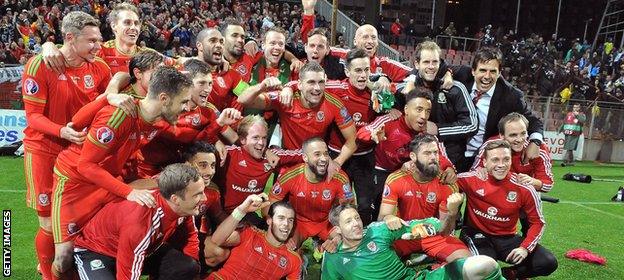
441 98
88 81
386 191
105 135
512 196
357 116
221 82
71 228
320 116
252 184
267 167
492 211
431 197
43 199
195 120
202 208
481 192
31 87
277 189
96 264
283 262
326 195
372 246
242 69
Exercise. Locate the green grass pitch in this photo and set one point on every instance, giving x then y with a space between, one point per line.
585 218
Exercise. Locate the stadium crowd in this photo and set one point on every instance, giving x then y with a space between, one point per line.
151 139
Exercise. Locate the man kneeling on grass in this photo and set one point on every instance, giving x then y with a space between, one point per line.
366 253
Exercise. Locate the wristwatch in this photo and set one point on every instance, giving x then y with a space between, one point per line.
536 141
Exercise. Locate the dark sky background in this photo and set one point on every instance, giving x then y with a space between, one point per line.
537 16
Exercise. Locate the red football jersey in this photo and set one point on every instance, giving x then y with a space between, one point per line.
244 65
243 174
539 168
494 206
128 232
311 201
391 153
358 104
118 60
113 137
225 89
395 70
415 200
50 100
195 125
255 258
299 123
210 209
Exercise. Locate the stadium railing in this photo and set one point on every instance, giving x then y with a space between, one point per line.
603 118
458 42
347 27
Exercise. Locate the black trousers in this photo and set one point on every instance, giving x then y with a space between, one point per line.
379 181
540 262
165 263
358 168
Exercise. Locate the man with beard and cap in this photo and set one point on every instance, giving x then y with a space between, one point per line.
452 109
494 205
366 253
419 194
307 187
86 176
392 138
126 25
124 240
258 254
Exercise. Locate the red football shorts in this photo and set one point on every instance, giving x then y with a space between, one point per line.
438 247
39 181
74 204
307 229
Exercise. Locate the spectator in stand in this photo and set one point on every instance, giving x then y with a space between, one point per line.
410 32
396 29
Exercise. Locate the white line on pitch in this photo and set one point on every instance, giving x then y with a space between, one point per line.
12 191
591 202
597 210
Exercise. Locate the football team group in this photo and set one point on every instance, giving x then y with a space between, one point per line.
142 164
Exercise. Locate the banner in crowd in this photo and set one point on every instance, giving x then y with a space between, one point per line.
12 124
10 87
555 142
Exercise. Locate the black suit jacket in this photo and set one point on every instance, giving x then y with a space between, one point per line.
506 99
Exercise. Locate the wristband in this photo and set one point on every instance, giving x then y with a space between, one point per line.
237 214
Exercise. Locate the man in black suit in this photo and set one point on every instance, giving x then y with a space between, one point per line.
494 98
